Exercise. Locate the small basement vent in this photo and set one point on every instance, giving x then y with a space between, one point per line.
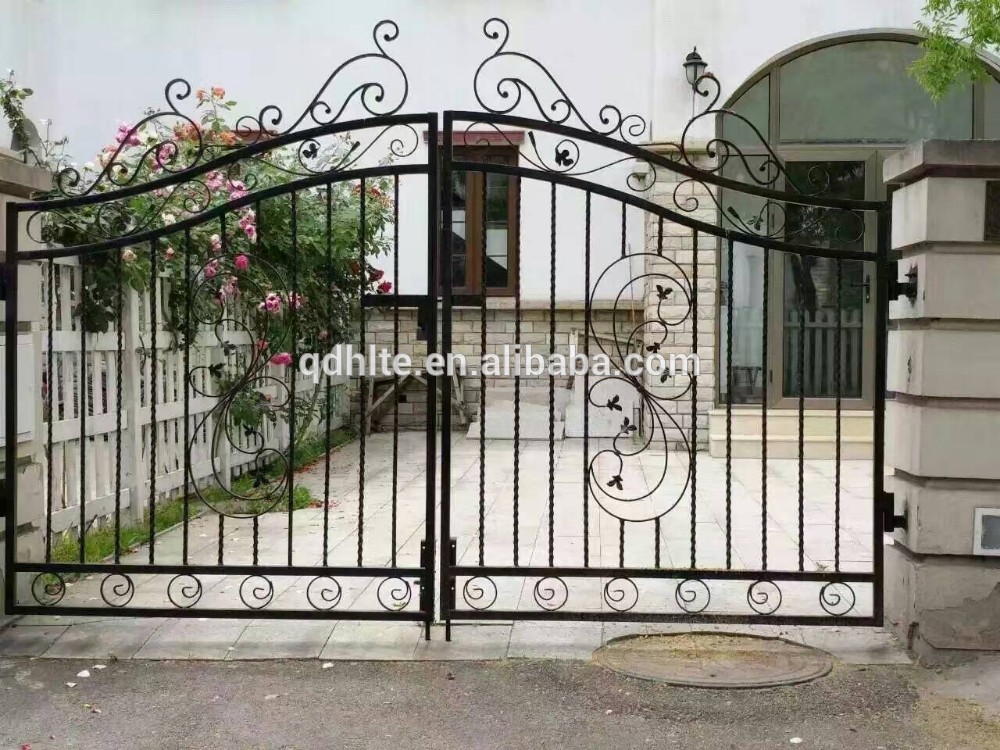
987 532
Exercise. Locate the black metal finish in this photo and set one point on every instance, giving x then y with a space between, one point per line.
568 152
378 140
575 163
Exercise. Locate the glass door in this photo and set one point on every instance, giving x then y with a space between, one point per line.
825 306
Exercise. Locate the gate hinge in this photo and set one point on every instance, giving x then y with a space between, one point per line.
890 520
907 288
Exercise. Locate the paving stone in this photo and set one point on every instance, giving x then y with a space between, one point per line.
468 642
536 640
283 639
191 638
378 641
29 640
119 639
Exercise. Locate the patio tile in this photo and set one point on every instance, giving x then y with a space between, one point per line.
29 640
192 639
282 639
119 639
468 642
537 640
373 641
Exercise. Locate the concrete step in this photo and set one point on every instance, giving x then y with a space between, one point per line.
749 446
820 430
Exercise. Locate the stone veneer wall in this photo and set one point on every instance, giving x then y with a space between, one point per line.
500 331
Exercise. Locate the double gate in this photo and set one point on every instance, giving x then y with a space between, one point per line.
183 278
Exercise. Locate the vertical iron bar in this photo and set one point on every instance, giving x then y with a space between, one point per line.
50 394
517 373
586 384
552 381
293 303
433 289
765 375
837 408
482 375
255 533
153 428
187 389
693 455
438 190
327 405
883 267
362 390
83 402
10 398
119 356
802 421
656 521
227 478
621 543
729 403
624 247
395 351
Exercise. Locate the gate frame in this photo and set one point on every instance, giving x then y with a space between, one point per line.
613 138
381 118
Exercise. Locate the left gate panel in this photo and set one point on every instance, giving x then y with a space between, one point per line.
179 461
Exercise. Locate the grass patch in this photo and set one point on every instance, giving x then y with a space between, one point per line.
100 543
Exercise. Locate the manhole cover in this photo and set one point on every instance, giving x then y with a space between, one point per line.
714 660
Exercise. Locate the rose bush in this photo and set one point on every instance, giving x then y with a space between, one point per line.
286 269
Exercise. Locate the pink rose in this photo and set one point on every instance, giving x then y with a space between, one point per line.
261 343
127 135
216 241
272 303
237 190
241 262
218 92
211 269
251 232
215 181
283 359
169 253
385 287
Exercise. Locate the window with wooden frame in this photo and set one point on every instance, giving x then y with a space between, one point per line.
484 231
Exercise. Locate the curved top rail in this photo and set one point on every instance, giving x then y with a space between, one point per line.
233 156
643 154
214 212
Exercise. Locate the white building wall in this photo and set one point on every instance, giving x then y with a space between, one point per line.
94 63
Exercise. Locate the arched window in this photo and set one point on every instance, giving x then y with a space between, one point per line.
857 90
835 107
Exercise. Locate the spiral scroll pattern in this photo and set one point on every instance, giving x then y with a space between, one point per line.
184 591
117 590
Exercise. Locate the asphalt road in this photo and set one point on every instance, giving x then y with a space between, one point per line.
491 705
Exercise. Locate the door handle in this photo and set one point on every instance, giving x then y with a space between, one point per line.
867 286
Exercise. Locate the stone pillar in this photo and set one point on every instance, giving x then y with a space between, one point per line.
942 593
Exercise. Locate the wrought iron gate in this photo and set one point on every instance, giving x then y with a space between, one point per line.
639 523
183 276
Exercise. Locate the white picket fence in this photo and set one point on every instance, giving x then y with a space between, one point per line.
95 458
